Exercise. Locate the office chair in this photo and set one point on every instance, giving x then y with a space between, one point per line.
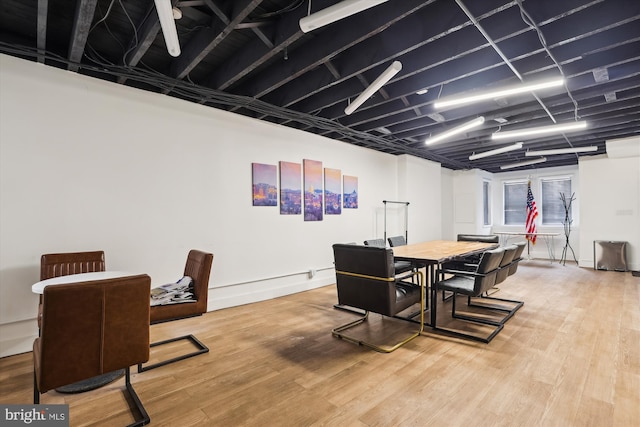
473 284
397 241
92 328
365 279
400 266
501 276
517 257
198 268
64 264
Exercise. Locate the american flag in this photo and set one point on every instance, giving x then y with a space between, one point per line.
532 214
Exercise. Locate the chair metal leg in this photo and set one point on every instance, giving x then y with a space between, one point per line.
348 308
337 332
498 325
201 348
145 419
144 416
36 392
496 307
473 318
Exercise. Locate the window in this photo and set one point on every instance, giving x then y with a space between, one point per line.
515 203
553 212
486 202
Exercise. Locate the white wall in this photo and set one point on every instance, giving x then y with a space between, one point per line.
610 205
468 202
419 182
447 214
86 165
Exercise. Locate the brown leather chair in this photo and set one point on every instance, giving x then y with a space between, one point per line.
64 264
92 328
198 267
366 279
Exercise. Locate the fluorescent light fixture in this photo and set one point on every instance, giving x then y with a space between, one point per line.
422 91
169 31
532 132
516 146
386 75
334 13
526 163
383 130
436 117
456 130
561 151
498 93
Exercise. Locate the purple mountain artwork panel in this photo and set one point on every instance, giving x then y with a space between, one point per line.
290 188
265 190
312 190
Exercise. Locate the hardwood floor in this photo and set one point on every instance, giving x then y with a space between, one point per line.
569 357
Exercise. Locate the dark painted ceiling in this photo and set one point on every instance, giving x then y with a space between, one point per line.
250 57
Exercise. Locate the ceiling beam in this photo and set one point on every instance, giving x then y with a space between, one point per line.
286 32
41 32
139 46
345 34
85 10
208 38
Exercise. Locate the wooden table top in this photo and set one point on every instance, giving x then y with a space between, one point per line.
38 288
438 251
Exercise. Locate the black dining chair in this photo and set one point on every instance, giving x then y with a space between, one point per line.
397 241
366 279
401 266
473 284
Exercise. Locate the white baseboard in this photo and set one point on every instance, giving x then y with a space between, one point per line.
17 337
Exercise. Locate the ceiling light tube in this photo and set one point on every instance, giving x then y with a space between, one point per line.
386 75
168 24
516 146
562 151
498 93
526 163
456 130
532 132
334 13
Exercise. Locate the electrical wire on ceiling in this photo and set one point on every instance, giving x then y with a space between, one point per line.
497 49
527 19
186 90
286 9
531 23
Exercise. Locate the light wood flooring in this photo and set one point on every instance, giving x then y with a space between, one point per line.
569 357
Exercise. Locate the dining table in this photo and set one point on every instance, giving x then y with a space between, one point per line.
38 287
431 255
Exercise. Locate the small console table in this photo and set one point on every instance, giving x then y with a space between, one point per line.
547 237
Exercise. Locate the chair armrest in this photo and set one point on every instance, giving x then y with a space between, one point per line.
401 277
465 273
